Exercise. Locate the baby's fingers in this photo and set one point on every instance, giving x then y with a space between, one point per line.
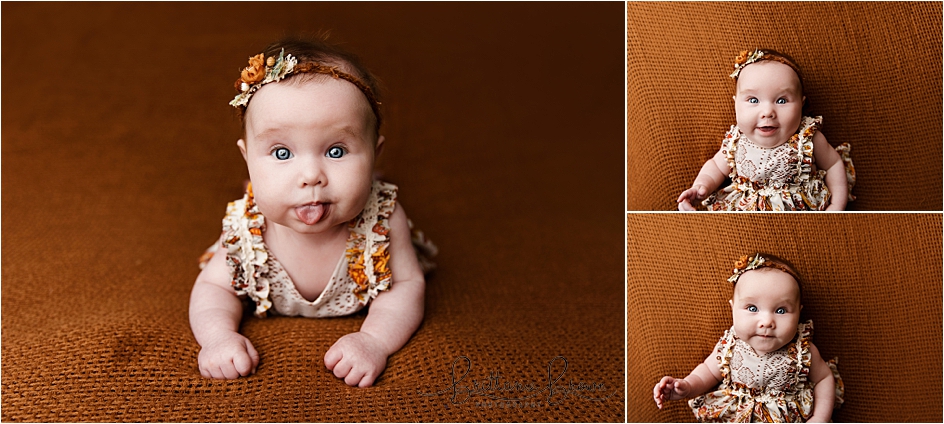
354 377
253 356
243 364
332 357
682 388
367 380
224 371
659 391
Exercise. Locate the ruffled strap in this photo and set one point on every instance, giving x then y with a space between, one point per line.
245 251
367 253
729 147
803 142
833 365
844 149
725 352
800 353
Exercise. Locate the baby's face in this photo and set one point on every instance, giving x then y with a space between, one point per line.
768 103
766 309
310 150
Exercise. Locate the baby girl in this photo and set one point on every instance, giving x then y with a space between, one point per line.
777 158
315 235
768 368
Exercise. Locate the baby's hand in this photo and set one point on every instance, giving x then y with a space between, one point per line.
698 192
228 357
670 388
358 358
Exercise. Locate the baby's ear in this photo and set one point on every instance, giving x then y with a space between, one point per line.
242 147
378 149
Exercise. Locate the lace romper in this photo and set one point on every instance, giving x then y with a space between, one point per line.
768 388
360 275
777 179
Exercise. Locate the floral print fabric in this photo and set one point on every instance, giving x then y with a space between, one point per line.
777 179
773 387
360 275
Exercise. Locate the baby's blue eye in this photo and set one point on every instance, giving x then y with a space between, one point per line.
336 152
781 101
752 308
282 153
753 100
781 311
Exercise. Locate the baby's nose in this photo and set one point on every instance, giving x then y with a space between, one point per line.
312 174
765 322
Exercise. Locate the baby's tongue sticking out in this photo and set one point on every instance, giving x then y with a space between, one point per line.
310 214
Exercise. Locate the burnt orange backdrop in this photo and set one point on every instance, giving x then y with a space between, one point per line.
872 286
871 69
505 132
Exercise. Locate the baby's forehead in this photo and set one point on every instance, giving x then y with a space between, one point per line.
769 73
344 97
767 281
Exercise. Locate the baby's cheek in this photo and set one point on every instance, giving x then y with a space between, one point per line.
265 204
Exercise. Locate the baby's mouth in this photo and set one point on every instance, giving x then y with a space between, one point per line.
766 130
311 213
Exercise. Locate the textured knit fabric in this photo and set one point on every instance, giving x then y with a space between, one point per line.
871 283
119 155
872 70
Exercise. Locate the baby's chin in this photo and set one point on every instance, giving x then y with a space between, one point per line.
765 347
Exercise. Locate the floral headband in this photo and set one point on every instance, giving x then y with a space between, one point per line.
747 263
747 57
263 70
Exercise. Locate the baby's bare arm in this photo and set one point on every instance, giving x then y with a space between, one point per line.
827 158
704 377
215 314
709 179
824 391
393 317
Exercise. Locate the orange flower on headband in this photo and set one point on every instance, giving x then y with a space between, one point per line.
745 58
262 71
744 264
256 71
741 57
741 263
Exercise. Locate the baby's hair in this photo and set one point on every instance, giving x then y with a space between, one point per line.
316 57
774 262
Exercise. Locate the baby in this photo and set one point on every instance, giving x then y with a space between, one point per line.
768 368
315 235
777 158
